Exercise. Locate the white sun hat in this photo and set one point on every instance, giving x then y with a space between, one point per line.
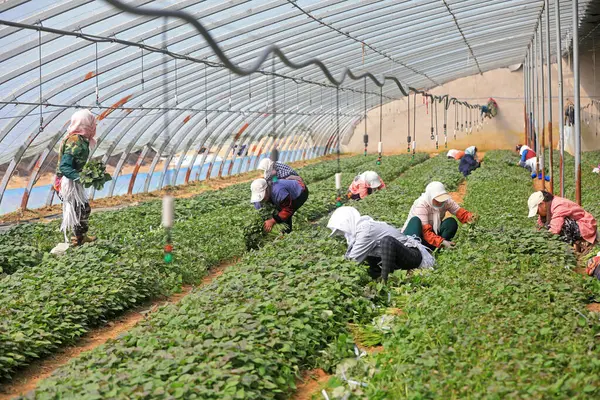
372 179
534 201
258 188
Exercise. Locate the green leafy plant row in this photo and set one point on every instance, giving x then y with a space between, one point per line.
247 335
502 316
52 303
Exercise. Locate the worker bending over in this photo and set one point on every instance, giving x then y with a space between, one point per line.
286 195
364 184
469 162
528 158
384 247
426 217
72 157
565 218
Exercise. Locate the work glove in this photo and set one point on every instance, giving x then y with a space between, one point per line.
447 244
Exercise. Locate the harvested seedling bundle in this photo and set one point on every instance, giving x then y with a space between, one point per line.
94 174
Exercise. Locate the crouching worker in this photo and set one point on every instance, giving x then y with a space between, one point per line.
469 162
286 195
565 218
72 157
364 184
384 247
426 217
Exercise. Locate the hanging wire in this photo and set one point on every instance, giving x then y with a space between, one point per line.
229 100
446 105
408 138
168 257
284 108
379 146
366 135
41 128
176 88
414 143
435 104
432 137
249 89
96 76
142 49
455 119
338 175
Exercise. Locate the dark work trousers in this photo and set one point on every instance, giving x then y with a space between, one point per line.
448 229
394 256
296 204
84 211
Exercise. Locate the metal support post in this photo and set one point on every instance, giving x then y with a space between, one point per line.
577 101
561 105
549 80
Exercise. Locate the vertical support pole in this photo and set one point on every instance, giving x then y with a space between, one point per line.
577 102
531 98
561 105
542 153
549 80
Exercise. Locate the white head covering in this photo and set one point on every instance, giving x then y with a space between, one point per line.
533 203
372 179
471 150
437 191
344 219
523 149
265 164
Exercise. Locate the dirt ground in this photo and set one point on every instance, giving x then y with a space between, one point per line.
28 378
311 384
594 307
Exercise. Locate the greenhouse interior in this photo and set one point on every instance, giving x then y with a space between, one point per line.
299 199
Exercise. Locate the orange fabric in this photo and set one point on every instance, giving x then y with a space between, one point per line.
459 155
463 216
430 237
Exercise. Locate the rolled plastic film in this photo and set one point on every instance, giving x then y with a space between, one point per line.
168 211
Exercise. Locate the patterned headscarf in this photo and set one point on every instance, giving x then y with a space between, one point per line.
83 123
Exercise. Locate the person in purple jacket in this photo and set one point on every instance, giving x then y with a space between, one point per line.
286 195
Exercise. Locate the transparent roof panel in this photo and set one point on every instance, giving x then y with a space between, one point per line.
96 56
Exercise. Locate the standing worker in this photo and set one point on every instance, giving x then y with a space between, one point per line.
286 195
72 155
565 218
364 184
469 162
384 247
426 217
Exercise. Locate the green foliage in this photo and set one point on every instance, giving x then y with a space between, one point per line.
61 298
94 174
502 316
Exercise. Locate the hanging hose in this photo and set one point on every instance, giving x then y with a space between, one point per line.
408 138
455 119
436 126
338 175
431 118
446 105
366 136
414 143
379 145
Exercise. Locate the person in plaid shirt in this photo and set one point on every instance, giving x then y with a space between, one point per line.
276 169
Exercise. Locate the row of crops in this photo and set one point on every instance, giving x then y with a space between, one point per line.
499 317
502 316
47 302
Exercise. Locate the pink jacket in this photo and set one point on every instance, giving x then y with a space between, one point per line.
562 208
